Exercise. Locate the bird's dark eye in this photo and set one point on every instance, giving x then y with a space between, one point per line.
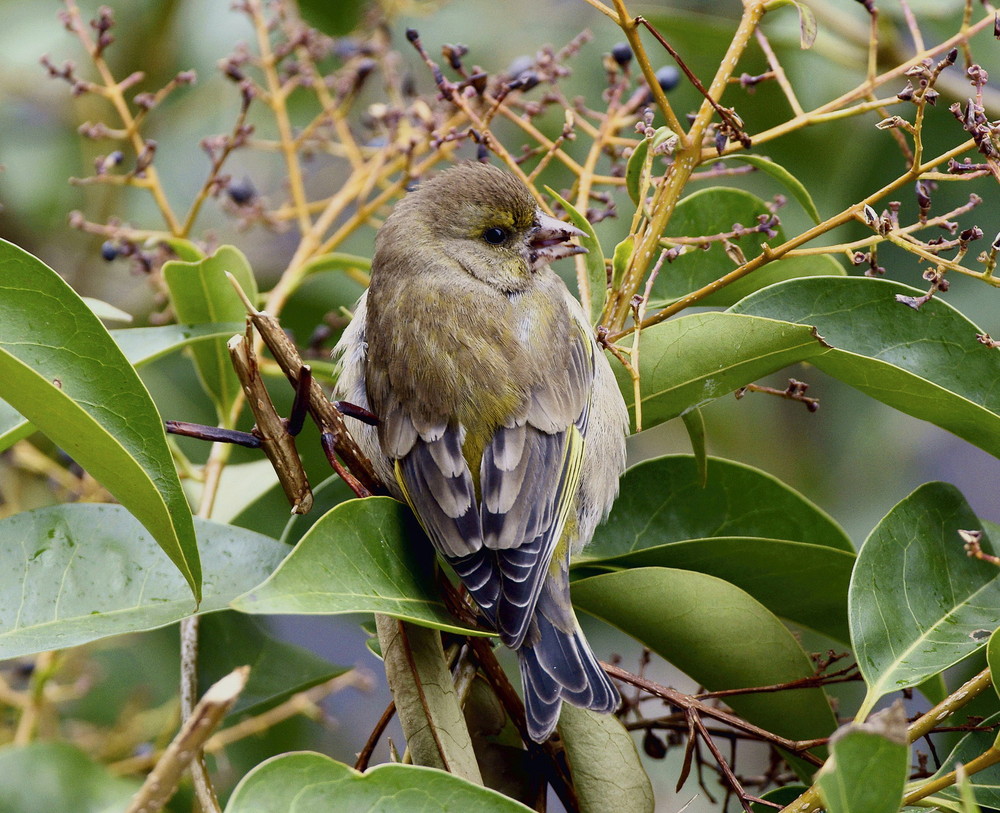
494 235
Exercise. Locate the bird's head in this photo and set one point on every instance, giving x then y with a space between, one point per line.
485 220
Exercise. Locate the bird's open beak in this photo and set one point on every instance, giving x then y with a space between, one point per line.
550 240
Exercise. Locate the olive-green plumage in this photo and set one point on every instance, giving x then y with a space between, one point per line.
500 421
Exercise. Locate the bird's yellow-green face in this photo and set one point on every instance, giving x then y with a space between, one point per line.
487 228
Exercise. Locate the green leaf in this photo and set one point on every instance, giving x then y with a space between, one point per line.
965 791
986 783
61 370
634 170
364 556
719 636
918 603
925 363
141 345
780 174
426 699
662 501
278 669
868 766
75 573
716 211
607 771
803 583
687 362
200 293
56 777
304 782
620 260
597 276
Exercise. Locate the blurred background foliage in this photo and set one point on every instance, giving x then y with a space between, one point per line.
854 457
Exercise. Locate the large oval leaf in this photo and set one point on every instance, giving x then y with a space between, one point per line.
662 501
687 362
75 573
805 584
363 556
918 603
305 782
719 636
61 370
926 363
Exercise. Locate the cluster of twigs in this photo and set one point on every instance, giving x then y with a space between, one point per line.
368 119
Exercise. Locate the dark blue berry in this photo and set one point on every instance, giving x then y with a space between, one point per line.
109 250
668 77
622 54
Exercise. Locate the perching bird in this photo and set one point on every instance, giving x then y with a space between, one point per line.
500 421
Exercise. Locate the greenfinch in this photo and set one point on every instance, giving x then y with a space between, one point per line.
499 419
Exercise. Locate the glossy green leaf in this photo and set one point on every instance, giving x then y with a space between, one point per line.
56 777
597 276
607 771
662 501
75 573
780 174
690 361
634 170
718 635
925 363
803 583
986 783
141 345
427 702
305 782
278 669
716 211
364 556
61 370
200 293
868 766
918 603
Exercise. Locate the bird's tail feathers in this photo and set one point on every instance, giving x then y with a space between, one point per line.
560 666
